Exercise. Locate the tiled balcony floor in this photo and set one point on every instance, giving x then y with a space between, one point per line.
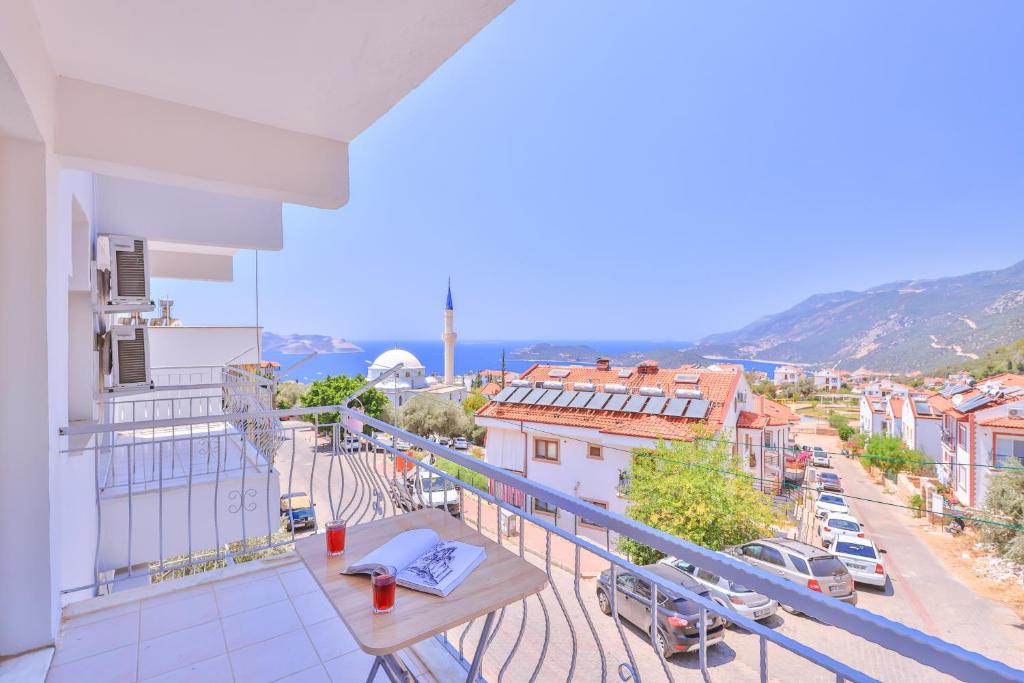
273 624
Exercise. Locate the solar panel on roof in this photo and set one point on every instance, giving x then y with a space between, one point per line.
953 390
616 402
598 400
697 409
518 394
581 399
558 372
566 397
676 407
635 404
974 403
688 378
534 396
503 394
625 372
922 407
655 405
549 397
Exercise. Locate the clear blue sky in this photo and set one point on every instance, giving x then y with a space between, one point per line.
619 170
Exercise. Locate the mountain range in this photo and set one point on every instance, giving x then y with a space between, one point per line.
900 326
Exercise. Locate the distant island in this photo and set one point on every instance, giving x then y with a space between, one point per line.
306 343
555 353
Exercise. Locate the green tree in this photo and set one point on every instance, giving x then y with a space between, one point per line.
289 394
335 389
697 491
473 403
426 416
1005 503
890 454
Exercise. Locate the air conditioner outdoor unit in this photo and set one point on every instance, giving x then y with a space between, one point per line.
123 265
126 352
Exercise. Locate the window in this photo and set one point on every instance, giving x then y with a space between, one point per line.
799 564
544 506
595 452
768 436
545 449
1009 452
705 575
626 582
643 590
753 550
772 556
595 503
961 435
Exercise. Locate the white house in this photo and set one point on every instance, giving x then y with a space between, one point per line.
574 427
187 124
982 430
922 426
827 380
788 374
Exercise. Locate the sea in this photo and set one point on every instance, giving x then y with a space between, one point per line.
470 356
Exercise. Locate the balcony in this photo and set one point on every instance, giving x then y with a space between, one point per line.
236 602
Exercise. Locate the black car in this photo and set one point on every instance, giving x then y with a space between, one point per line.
678 616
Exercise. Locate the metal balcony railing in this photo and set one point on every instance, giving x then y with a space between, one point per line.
233 515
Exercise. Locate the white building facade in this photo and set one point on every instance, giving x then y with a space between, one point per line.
587 452
109 126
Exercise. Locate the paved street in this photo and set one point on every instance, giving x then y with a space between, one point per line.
920 594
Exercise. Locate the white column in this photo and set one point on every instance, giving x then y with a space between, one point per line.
449 346
29 599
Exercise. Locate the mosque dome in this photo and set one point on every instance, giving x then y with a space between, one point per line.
393 357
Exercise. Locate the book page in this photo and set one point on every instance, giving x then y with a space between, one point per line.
442 567
398 553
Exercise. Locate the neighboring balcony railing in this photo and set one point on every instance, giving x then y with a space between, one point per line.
219 508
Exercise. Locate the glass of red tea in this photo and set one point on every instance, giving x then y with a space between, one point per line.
384 584
335 537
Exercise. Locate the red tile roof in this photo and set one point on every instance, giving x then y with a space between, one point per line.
490 389
749 420
1006 422
1008 379
896 406
778 414
717 386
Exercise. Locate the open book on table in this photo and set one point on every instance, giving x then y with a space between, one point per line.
422 561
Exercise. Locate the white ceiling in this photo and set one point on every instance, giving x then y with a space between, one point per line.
323 67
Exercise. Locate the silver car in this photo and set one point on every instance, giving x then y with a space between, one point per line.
726 593
801 563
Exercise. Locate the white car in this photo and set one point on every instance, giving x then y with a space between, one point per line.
461 443
819 458
835 524
403 445
829 503
862 557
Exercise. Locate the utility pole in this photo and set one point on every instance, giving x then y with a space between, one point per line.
503 368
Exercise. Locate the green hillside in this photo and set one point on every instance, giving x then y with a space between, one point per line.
1009 358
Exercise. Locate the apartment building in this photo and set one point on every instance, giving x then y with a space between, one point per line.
574 428
982 430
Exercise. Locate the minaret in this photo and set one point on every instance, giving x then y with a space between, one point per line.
449 338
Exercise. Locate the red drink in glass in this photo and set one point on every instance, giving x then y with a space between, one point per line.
335 538
383 592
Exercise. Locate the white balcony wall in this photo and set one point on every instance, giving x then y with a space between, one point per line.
201 347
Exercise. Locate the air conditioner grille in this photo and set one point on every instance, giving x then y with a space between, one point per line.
131 272
131 360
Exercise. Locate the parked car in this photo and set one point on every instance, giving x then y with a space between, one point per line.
801 563
445 441
678 616
863 558
830 481
726 593
351 443
835 523
461 443
819 458
419 488
828 503
403 445
297 510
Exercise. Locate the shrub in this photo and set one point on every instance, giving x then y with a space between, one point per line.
1005 502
